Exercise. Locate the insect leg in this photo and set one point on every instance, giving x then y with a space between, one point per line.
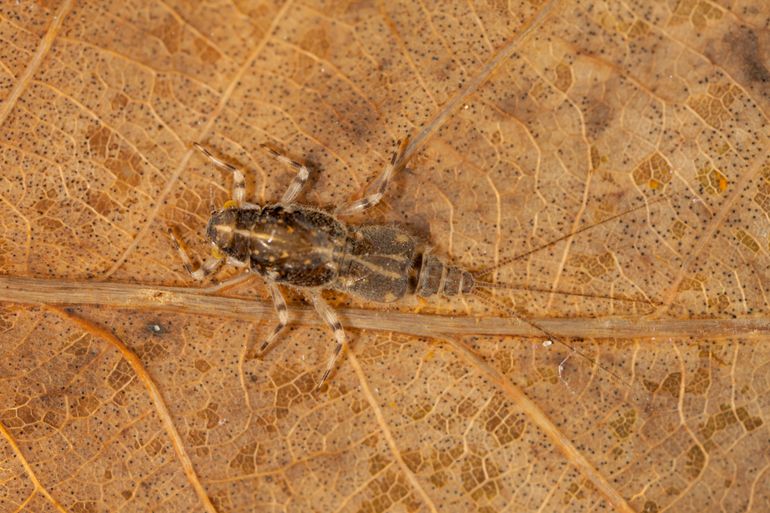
281 310
209 266
380 185
239 182
328 315
299 180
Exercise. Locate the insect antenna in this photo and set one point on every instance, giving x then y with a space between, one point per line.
507 261
489 300
212 205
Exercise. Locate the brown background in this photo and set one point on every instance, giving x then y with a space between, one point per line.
532 120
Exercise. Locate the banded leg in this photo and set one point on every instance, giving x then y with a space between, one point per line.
328 315
380 185
281 310
295 187
239 181
208 268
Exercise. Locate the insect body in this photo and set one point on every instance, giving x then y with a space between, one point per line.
303 247
306 248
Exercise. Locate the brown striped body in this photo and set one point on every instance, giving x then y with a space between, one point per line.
305 247
294 245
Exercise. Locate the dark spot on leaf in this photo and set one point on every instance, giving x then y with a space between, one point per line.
746 47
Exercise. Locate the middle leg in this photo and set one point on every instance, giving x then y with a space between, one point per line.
283 314
328 315
380 185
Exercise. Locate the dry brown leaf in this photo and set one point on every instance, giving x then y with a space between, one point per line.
641 127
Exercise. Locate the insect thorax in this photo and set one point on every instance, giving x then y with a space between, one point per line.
295 245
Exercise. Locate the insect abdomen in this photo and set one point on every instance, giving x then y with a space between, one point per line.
376 263
436 277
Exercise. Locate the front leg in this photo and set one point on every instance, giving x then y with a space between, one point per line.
300 179
208 268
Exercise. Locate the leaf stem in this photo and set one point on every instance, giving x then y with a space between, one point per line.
22 290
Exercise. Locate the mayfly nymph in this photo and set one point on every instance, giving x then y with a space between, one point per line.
311 250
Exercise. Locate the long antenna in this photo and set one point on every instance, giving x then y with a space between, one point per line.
507 261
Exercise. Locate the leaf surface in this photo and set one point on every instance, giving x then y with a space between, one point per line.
606 161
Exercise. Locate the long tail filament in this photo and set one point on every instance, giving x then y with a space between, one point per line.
488 299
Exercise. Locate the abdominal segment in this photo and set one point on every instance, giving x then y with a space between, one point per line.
436 277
